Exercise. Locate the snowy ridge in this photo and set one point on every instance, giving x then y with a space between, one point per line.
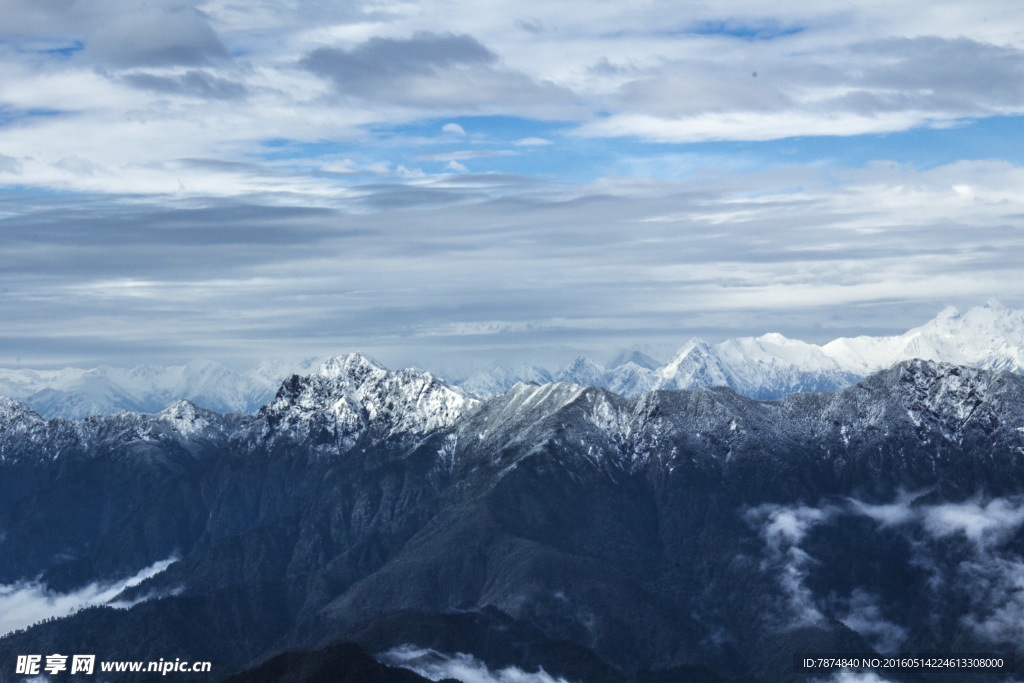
183 425
348 399
76 393
499 380
948 399
910 415
352 397
767 367
541 475
990 337
916 415
772 366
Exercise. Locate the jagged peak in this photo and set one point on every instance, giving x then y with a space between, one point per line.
582 362
996 305
918 367
180 407
352 396
990 314
693 344
185 410
187 417
695 353
936 375
526 398
583 371
349 365
357 372
11 409
636 357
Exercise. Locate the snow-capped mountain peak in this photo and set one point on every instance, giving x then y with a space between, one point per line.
17 415
989 336
353 396
769 366
695 364
583 371
499 380
354 366
186 417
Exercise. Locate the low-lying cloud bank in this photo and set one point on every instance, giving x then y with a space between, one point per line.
463 667
967 548
853 677
25 603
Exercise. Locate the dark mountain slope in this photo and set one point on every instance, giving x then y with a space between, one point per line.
679 529
340 663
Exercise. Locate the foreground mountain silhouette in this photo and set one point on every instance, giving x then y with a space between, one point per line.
340 663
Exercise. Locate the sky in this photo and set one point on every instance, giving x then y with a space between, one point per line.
455 185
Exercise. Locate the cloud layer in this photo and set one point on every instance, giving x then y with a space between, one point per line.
452 184
24 604
481 264
462 667
968 549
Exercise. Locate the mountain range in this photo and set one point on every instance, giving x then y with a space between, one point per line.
766 367
555 530
77 393
772 366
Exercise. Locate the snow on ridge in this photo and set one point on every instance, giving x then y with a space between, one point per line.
349 365
186 417
765 367
771 365
990 337
79 393
351 396
499 380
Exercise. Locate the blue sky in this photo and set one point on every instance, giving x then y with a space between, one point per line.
549 150
455 185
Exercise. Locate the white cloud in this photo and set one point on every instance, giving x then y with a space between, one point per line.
888 514
216 110
864 615
606 264
783 528
853 677
23 604
985 524
864 70
462 667
991 578
995 584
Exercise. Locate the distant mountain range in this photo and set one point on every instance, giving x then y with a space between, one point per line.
76 393
771 366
